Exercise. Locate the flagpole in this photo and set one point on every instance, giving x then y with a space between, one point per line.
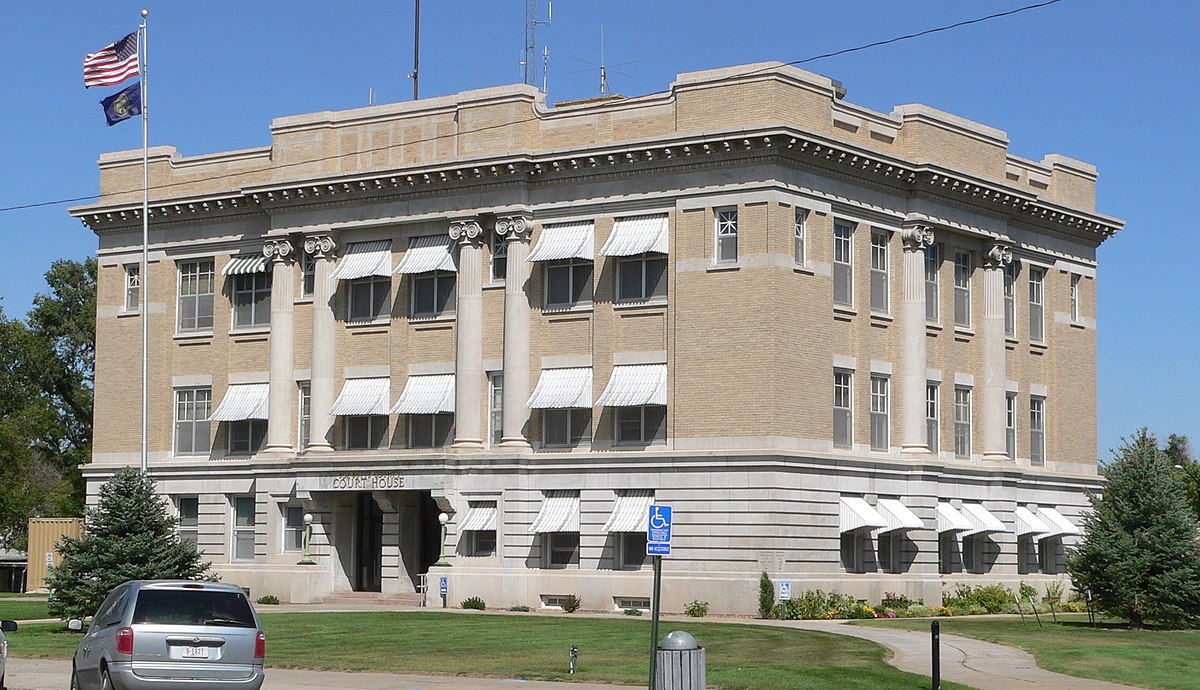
144 288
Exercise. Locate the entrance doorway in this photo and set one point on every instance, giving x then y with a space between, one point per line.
368 575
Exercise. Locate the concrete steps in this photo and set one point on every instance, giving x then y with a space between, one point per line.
373 599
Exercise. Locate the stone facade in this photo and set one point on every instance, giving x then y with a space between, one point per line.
837 211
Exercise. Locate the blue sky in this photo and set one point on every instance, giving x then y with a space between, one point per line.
1110 82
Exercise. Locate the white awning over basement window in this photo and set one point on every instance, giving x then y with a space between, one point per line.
1028 523
950 520
635 385
429 394
631 512
632 236
250 263
363 397
364 259
897 515
242 401
856 514
982 521
561 389
565 241
480 518
426 254
559 513
1058 524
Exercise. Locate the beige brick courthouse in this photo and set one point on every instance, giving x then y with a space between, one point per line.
851 349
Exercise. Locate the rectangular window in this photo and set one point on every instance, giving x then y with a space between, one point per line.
1010 300
293 528
566 427
843 264
1037 277
632 549
133 286
368 298
852 546
933 267
308 275
949 556
879 413
1074 298
640 278
962 423
479 543
932 418
433 294
496 408
962 289
195 305
365 432
841 409
562 549
972 554
1037 431
642 425
1010 425
499 268
304 414
568 283
192 409
727 235
189 518
800 250
251 300
243 528
879 271
246 436
430 430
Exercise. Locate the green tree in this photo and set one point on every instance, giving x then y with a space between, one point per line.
766 596
1140 556
129 535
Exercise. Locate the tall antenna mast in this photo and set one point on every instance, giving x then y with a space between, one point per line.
416 49
603 69
531 23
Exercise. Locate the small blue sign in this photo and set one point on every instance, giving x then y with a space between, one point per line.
658 529
785 590
443 585
658 548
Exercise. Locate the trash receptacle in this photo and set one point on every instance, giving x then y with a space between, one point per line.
680 663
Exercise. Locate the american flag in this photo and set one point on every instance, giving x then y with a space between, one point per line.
112 64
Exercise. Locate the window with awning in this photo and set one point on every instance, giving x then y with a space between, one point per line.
1029 524
428 394
635 385
856 514
427 254
638 235
481 517
242 401
559 512
1057 524
950 520
365 259
981 519
897 516
565 241
365 396
631 511
244 264
557 389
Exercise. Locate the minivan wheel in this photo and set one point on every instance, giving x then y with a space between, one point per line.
105 681
74 678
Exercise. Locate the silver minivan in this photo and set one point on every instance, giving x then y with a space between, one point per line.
5 626
177 634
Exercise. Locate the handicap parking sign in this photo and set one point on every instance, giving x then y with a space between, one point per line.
785 590
443 585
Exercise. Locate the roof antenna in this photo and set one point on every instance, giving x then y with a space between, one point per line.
370 95
545 68
603 69
530 53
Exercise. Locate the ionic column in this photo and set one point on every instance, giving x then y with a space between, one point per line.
468 397
515 233
320 422
994 391
279 413
916 239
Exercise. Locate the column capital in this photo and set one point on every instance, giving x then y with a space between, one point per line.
999 255
466 231
278 250
514 228
320 246
916 237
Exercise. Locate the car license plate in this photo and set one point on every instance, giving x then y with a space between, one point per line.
195 652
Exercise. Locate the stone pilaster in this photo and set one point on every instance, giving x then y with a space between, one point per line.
914 442
994 447
280 430
515 233
320 424
468 380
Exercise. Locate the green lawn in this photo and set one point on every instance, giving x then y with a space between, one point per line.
22 609
615 650
1144 658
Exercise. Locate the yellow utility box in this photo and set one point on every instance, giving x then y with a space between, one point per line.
44 534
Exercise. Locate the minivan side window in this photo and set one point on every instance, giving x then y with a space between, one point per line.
109 611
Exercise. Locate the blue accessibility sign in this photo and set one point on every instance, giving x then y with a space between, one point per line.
444 585
658 531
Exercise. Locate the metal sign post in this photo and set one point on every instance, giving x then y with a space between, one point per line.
658 544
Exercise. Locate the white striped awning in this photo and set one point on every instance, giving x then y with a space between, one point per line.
242 401
631 236
559 513
635 385
363 397
561 389
981 519
425 254
565 241
480 518
1028 523
950 520
250 263
364 259
1058 524
856 514
428 394
631 512
897 515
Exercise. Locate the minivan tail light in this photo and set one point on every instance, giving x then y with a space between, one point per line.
260 645
125 641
